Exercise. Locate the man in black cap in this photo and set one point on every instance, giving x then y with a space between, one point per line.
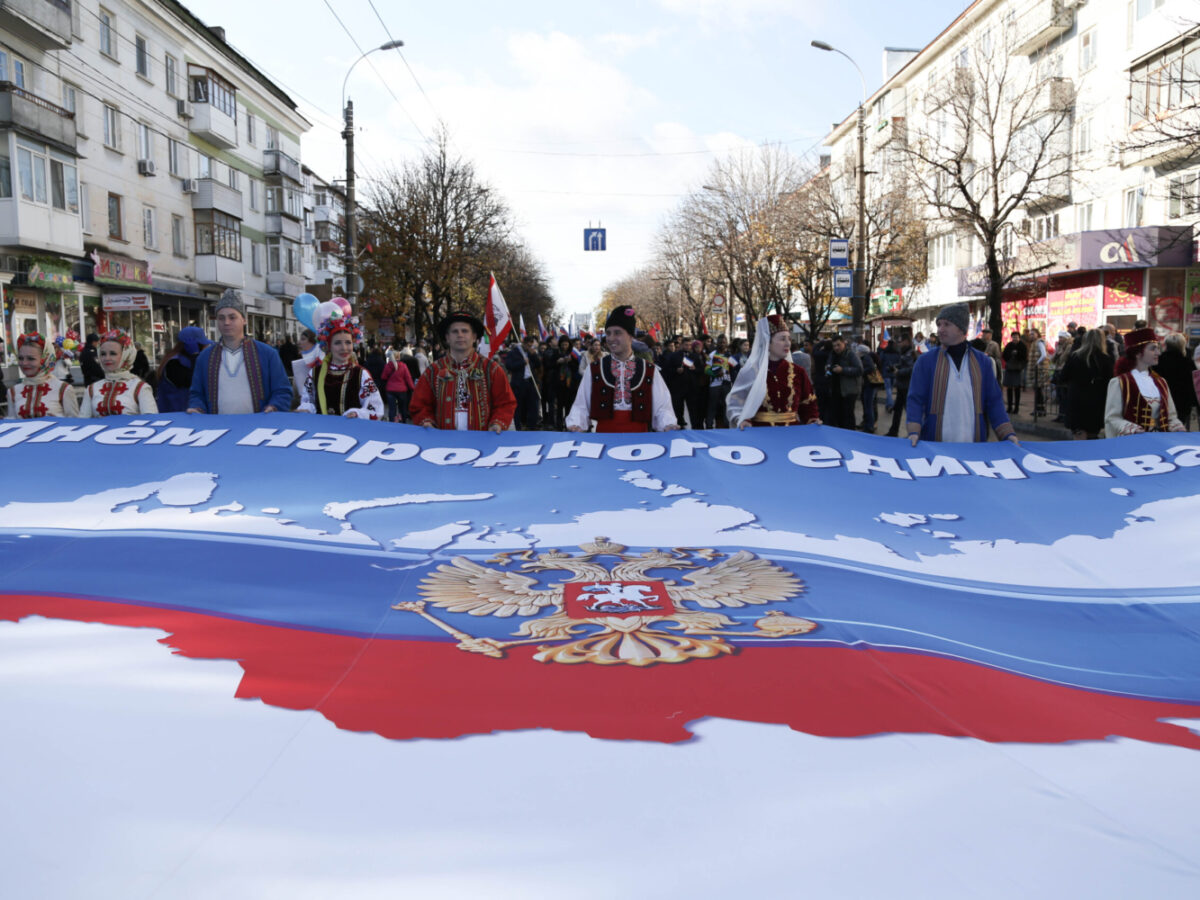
462 391
622 392
954 395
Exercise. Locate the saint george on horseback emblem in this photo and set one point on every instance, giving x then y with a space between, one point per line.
618 614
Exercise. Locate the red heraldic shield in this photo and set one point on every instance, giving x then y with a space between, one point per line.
593 599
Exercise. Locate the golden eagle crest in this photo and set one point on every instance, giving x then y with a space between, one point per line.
617 615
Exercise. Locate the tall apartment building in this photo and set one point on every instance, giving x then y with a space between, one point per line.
1111 227
145 167
324 233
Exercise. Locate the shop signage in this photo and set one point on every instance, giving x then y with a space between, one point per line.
126 302
1192 324
1136 248
49 274
109 269
1124 290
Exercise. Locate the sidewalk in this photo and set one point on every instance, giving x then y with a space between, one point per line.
1045 427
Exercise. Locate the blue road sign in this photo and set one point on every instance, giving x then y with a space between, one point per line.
843 283
839 253
594 238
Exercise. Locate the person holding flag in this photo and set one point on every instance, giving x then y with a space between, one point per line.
463 391
620 391
499 322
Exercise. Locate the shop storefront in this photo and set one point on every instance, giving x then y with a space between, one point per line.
125 285
177 305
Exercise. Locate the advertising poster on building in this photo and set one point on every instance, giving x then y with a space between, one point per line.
1124 291
1192 322
1072 303
1021 313
1166 301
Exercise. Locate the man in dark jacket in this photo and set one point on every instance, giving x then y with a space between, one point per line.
845 371
901 373
88 364
524 371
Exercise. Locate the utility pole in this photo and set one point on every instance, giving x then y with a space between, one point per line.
350 261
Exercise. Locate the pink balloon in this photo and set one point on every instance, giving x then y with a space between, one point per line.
344 305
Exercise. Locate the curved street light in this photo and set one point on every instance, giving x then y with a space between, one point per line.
350 260
858 303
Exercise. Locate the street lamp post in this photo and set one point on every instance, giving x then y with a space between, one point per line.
858 303
350 260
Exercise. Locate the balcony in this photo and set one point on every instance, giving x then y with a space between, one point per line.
214 125
40 119
284 226
278 164
44 23
36 226
1161 140
284 284
214 107
1053 96
216 195
219 271
1039 24
328 246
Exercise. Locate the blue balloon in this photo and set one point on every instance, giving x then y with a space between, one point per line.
303 306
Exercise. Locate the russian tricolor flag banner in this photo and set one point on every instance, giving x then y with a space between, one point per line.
221 635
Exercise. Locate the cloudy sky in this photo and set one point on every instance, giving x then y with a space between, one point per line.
603 113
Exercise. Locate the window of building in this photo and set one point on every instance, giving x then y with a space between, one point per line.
322 262
3 65
31 171
116 224
941 251
171 73
1145 7
112 127
108 37
64 186
232 178
1182 196
283 200
5 177
204 165
177 236
85 208
319 199
1083 217
149 236
219 234
1044 227
70 98
283 256
176 158
272 138
208 87
141 56
145 144
19 70
1165 83
1084 144
256 259
1087 50
250 129
1135 201
253 194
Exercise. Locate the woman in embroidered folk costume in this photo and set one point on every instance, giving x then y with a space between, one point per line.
462 391
121 393
39 394
1139 400
338 385
771 389
622 392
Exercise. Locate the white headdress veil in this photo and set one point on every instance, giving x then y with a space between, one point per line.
750 389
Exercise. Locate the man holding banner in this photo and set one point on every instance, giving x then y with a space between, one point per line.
954 395
237 375
462 391
620 391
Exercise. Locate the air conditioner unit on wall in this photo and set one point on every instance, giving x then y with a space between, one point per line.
183 109
190 185
146 167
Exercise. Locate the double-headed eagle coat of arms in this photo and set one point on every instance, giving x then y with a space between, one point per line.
625 613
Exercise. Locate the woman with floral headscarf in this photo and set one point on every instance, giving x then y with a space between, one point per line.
338 385
121 393
39 394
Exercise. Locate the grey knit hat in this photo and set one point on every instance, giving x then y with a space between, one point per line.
956 314
231 299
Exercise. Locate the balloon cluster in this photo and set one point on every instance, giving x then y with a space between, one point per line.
68 343
312 313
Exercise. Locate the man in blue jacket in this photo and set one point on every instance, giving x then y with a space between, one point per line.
953 395
237 375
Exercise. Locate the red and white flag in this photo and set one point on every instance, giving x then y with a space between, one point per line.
496 318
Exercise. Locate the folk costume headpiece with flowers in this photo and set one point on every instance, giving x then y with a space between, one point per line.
49 358
332 326
128 351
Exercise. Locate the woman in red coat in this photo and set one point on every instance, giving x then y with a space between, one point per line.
398 383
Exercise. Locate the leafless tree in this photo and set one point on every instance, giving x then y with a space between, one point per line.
989 142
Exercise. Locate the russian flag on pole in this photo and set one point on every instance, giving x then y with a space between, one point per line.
496 318
237 644
542 332
521 321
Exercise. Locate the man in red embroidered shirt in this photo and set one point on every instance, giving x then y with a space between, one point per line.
623 393
462 391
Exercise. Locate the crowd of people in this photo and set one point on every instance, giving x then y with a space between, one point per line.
942 388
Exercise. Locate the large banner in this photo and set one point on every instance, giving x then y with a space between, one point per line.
421 585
